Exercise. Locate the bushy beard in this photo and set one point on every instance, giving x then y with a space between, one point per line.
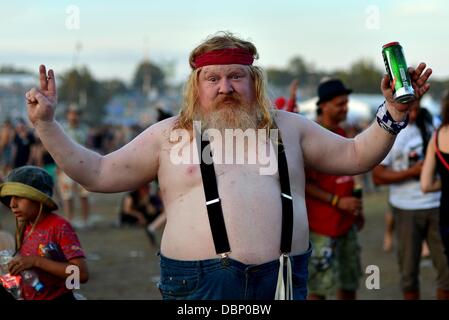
228 112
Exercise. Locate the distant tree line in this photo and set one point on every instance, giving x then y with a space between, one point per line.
13 70
78 85
363 76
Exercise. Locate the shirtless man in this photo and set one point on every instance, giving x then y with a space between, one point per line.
225 90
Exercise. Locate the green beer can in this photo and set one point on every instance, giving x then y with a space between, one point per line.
396 66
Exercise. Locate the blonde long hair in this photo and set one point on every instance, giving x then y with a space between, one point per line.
224 40
21 226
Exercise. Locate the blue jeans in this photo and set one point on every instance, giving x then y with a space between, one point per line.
228 279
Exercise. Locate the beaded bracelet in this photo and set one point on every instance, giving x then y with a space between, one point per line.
386 121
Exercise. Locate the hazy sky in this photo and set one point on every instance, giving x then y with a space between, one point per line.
115 35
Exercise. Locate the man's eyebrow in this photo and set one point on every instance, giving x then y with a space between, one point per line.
237 69
208 72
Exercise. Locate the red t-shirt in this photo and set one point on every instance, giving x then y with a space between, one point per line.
52 229
324 218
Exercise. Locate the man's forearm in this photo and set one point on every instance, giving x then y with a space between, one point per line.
372 146
78 162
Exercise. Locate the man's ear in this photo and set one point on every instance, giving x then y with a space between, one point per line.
319 109
323 105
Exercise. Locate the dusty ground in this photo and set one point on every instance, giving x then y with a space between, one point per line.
123 264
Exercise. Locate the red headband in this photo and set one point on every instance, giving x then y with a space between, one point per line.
224 56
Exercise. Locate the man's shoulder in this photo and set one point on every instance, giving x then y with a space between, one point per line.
158 132
166 123
291 122
282 117
163 128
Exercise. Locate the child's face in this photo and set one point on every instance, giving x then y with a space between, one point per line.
24 209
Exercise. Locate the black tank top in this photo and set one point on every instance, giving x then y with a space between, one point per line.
444 175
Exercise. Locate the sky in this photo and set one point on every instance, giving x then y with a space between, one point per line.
112 37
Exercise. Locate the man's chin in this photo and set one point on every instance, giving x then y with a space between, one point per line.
232 119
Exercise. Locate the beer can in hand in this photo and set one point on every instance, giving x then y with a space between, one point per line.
396 67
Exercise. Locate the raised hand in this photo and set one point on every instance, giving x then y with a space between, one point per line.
294 86
41 102
419 79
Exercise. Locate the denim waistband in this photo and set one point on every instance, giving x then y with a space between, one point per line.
298 261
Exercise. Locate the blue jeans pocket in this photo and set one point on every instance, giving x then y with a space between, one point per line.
175 285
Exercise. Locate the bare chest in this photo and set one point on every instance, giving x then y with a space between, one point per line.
252 172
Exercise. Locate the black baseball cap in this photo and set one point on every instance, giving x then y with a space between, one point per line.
330 89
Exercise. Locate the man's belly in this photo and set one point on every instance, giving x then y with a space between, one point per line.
253 217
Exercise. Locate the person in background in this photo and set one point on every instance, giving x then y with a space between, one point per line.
69 188
290 105
45 242
22 144
335 214
388 240
41 158
437 161
6 147
416 214
141 208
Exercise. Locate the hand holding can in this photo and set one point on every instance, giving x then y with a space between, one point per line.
397 70
402 85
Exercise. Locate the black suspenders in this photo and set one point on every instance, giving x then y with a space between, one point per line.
215 212
213 205
287 201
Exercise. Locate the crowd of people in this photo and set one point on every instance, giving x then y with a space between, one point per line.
295 236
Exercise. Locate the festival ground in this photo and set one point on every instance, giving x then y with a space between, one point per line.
123 264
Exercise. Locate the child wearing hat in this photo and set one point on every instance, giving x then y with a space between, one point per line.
45 242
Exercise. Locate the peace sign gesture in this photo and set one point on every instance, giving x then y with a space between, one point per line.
41 102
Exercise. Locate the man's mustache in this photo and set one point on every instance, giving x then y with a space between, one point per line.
228 99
